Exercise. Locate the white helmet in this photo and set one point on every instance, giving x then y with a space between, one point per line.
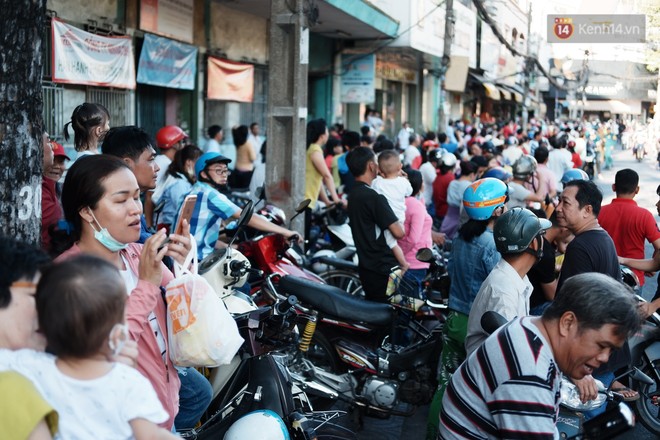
448 160
261 424
317 266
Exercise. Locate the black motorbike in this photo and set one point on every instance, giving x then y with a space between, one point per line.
368 354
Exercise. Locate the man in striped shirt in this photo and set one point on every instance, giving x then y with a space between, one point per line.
509 387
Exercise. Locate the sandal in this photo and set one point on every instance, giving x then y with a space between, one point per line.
628 394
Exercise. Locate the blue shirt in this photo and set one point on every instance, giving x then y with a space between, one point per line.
469 266
212 206
173 197
451 147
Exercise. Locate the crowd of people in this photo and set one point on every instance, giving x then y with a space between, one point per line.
508 198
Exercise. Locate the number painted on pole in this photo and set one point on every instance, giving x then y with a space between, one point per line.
29 203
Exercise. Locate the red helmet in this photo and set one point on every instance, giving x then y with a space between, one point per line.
169 135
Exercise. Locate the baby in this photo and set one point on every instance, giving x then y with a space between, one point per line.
395 187
80 306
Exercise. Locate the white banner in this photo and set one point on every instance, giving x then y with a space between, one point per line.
80 57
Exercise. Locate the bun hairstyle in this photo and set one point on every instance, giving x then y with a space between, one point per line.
84 119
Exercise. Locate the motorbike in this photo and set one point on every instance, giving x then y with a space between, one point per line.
589 162
257 378
370 355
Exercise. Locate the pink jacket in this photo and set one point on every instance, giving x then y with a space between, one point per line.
144 299
418 232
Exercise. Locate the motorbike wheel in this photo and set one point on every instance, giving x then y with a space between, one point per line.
647 411
322 354
345 280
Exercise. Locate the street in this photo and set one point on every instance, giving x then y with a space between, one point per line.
414 427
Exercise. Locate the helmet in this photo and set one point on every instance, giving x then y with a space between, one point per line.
207 159
574 174
273 214
435 155
498 173
448 160
168 136
318 266
515 230
483 197
524 167
262 424
629 277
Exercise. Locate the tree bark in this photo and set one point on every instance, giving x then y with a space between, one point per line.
21 120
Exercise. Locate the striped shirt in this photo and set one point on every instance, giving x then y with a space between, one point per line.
508 388
212 206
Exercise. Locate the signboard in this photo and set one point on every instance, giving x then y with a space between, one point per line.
167 63
358 74
230 81
394 72
79 57
170 18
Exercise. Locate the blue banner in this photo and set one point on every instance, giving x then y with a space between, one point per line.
358 77
167 63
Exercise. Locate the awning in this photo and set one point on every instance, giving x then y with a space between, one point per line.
504 93
491 91
627 107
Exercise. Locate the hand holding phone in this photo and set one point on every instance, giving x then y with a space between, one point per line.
186 212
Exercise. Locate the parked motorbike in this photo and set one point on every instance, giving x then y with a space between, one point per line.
257 379
390 352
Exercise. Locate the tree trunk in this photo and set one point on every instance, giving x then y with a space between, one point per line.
21 119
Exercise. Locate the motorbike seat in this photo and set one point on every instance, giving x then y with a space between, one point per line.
334 301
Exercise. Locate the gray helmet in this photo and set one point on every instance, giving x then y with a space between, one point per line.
515 230
524 167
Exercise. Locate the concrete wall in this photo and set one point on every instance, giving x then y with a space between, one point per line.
80 11
238 35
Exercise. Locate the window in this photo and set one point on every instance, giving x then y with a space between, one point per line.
117 101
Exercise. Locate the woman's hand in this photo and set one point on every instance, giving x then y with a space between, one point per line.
150 267
128 354
291 234
180 245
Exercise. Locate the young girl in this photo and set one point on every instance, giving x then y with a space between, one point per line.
90 122
80 304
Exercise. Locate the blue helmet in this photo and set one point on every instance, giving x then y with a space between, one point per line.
483 197
207 159
498 173
574 174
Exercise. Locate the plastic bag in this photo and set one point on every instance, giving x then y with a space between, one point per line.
201 331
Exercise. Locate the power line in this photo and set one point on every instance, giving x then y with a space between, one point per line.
583 76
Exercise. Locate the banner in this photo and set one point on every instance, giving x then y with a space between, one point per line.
167 63
357 78
230 81
170 18
80 57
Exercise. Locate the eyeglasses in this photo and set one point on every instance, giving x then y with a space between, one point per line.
220 171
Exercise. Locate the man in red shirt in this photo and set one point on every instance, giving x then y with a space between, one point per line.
628 224
446 164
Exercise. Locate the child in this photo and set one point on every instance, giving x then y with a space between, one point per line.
90 122
395 188
80 304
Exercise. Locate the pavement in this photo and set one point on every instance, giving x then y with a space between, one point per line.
414 427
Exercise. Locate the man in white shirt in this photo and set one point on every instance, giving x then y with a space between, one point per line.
404 136
518 238
560 159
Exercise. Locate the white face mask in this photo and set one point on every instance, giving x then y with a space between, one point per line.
104 237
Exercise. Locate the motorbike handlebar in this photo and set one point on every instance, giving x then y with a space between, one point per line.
283 307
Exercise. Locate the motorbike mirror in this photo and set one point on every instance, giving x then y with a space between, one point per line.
424 255
260 193
491 321
303 205
246 214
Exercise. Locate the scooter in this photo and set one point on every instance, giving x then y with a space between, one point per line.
257 378
390 351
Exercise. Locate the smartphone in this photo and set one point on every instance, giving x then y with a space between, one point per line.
186 212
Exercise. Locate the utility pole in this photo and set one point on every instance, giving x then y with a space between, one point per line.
287 105
446 61
528 70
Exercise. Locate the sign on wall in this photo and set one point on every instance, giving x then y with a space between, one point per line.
230 81
167 63
80 57
358 73
170 18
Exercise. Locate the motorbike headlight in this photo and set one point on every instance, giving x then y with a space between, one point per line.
570 397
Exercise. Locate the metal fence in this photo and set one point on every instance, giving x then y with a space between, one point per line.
117 101
53 111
